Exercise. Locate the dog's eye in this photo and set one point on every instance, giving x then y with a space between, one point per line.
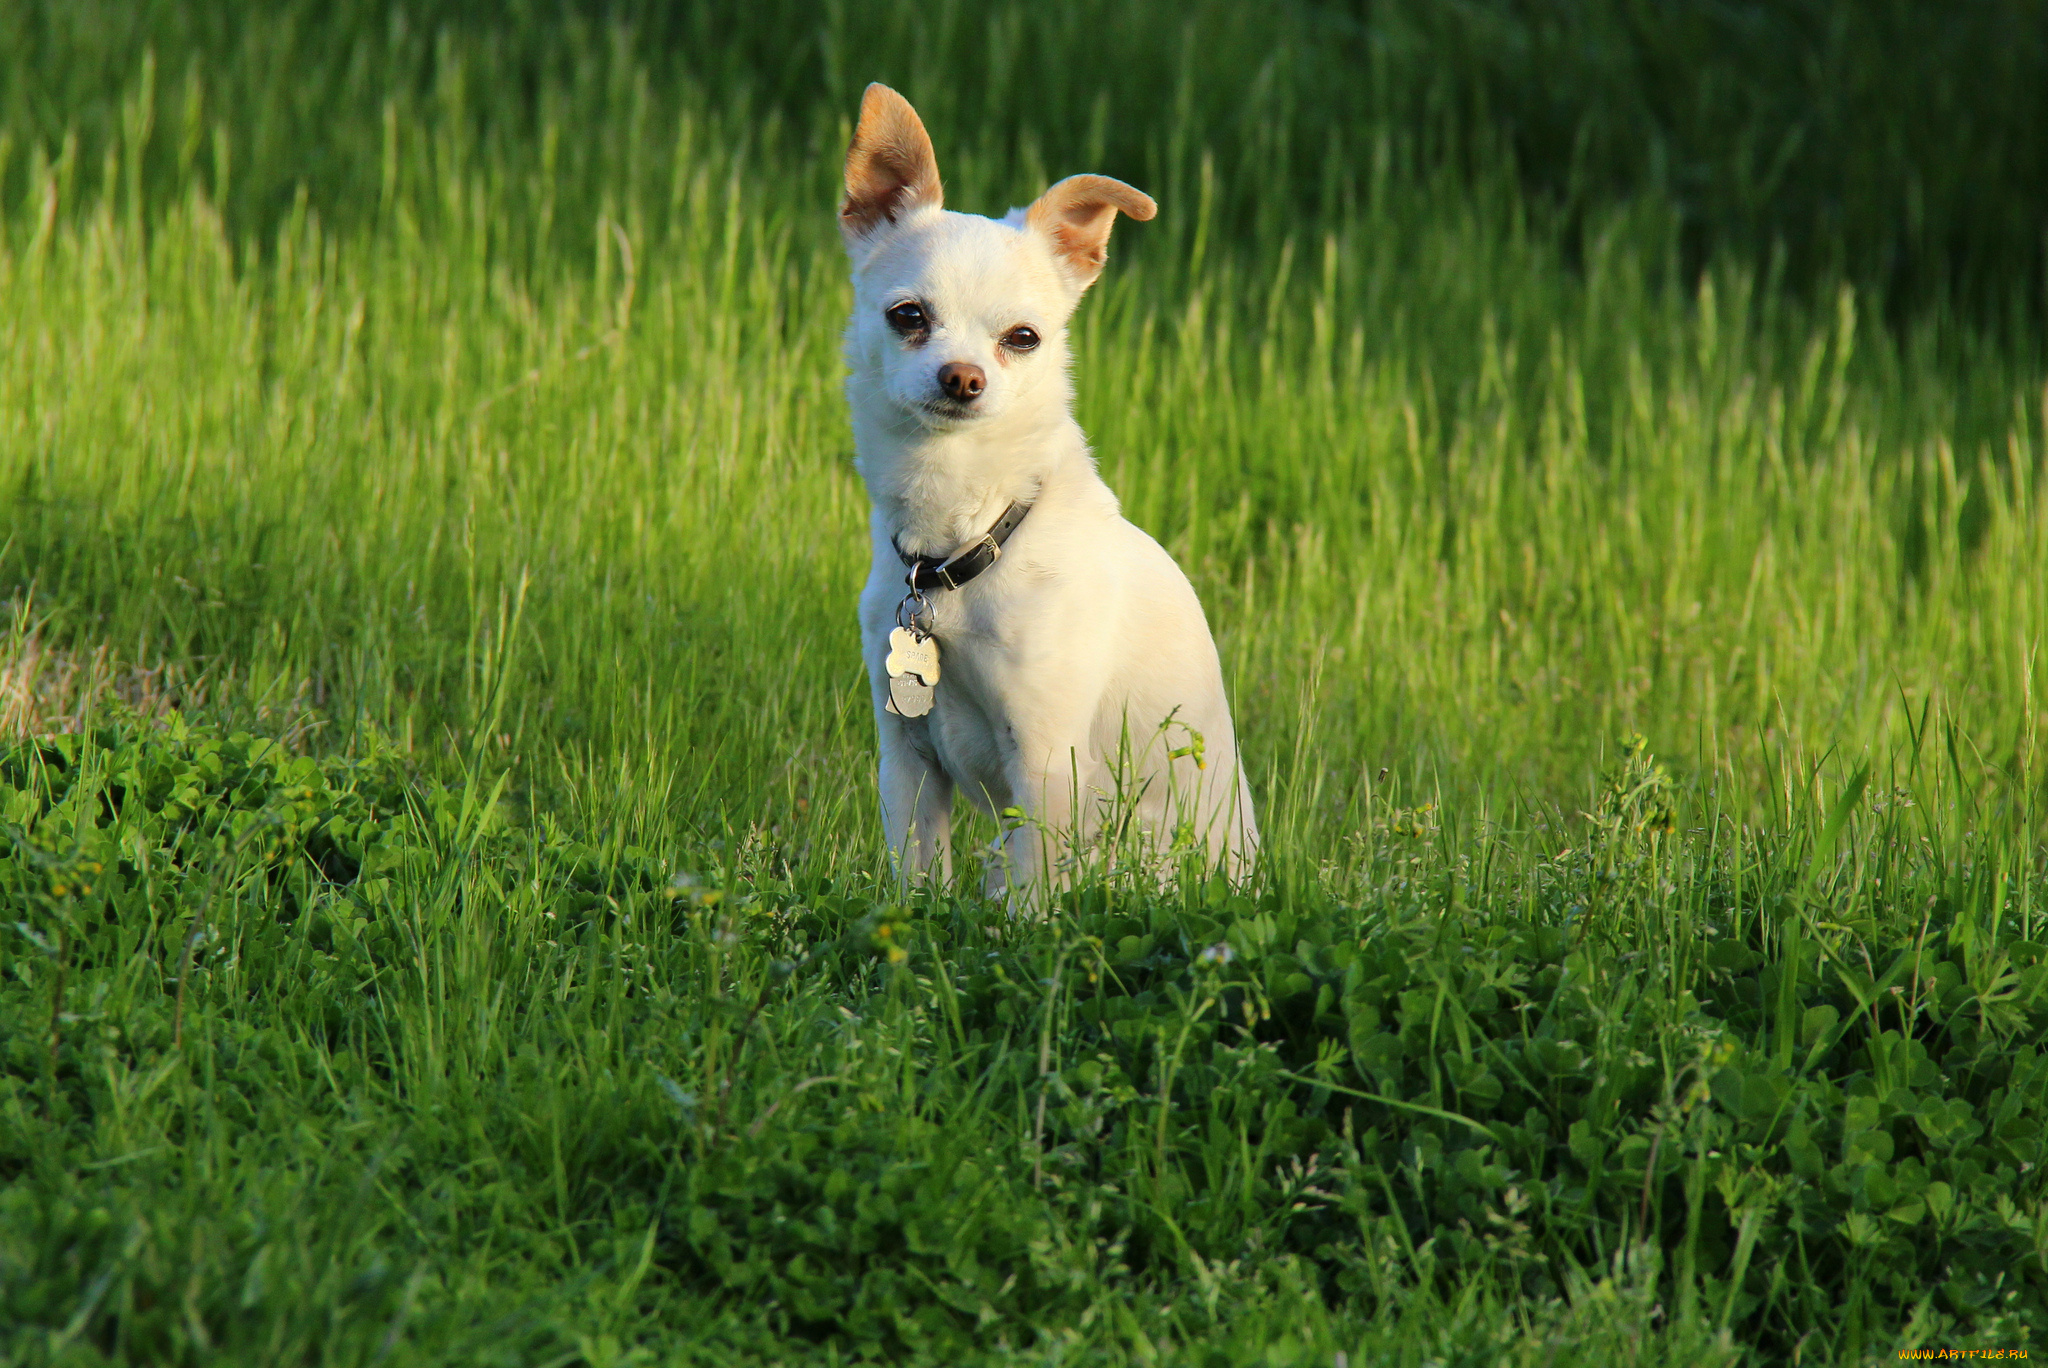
1021 338
907 317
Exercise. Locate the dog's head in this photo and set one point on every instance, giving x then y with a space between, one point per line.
959 319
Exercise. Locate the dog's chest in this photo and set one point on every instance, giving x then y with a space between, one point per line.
967 731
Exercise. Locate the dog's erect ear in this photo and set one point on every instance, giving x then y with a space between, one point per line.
1077 214
890 168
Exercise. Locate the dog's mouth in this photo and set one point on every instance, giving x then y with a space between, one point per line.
949 410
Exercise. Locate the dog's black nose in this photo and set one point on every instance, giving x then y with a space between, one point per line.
961 382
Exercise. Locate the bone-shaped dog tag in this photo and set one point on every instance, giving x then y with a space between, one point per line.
913 666
911 654
909 696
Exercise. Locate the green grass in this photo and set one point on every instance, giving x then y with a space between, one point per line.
447 918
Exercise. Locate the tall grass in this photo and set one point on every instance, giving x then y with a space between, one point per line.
1896 145
1459 510
458 394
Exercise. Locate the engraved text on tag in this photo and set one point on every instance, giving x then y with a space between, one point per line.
913 668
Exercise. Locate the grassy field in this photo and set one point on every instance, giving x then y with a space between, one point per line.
446 915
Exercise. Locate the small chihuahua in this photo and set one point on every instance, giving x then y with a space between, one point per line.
1023 641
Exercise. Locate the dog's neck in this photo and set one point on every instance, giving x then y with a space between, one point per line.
935 491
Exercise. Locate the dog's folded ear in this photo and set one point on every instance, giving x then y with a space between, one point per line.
890 168
1076 216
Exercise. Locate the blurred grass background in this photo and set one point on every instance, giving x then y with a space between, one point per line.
1509 377
1897 145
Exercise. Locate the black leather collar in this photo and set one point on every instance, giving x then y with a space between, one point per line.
934 572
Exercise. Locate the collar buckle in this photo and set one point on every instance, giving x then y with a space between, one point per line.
930 572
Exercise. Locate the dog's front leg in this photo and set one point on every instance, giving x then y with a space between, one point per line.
917 801
1031 850
1052 775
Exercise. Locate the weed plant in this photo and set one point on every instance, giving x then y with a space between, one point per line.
446 916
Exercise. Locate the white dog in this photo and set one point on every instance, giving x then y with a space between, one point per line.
1023 641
